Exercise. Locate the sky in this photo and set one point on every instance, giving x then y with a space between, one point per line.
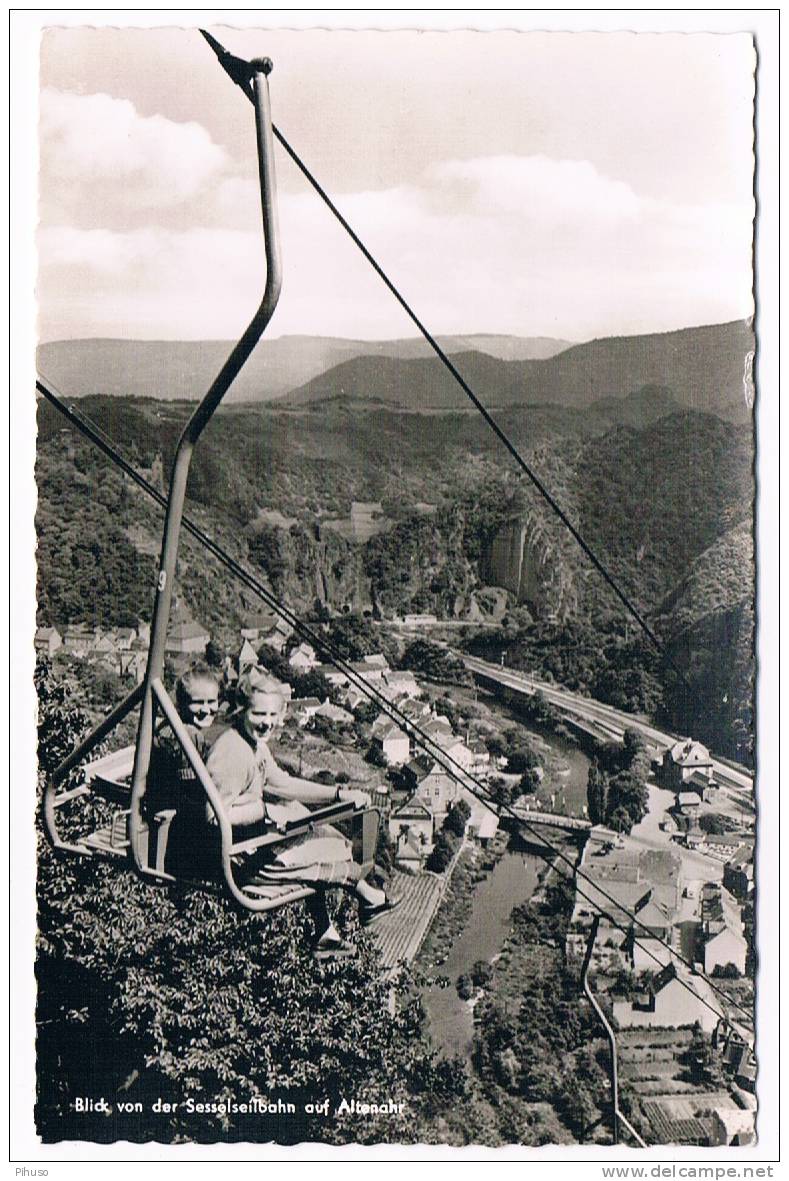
573 185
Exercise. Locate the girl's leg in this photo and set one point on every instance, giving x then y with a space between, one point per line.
325 930
369 895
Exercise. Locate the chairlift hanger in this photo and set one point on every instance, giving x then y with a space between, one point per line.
135 833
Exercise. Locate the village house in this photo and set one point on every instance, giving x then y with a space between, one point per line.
480 757
143 635
333 675
415 710
684 759
187 639
255 625
394 743
431 785
721 930
411 827
125 637
78 639
401 683
377 660
372 673
334 713
436 727
731 1127
47 641
738 873
303 659
303 708
688 803
278 636
353 697
455 749
669 1002
247 656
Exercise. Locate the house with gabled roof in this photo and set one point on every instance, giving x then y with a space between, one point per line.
256 624
47 641
78 639
738 872
304 708
684 759
247 656
334 713
721 930
670 1001
333 675
431 784
188 638
278 636
303 658
411 826
394 743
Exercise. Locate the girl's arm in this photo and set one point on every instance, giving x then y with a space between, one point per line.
232 768
291 787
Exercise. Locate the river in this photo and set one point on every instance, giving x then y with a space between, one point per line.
511 883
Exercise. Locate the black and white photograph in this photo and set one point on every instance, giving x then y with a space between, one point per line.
395 621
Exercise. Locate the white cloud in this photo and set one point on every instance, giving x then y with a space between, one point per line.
536 188
99 149
526 245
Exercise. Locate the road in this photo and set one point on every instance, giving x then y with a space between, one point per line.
604 718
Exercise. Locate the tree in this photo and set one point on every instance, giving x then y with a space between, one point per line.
431 660
597 793
529 783
366 712
375 755
457 818
715 824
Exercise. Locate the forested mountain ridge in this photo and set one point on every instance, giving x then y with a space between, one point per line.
657 504
702 368
173 369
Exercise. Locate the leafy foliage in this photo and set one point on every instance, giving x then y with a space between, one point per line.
178 996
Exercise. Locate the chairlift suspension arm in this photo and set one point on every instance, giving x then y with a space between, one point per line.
258 70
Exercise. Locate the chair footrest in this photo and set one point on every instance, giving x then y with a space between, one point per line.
281 894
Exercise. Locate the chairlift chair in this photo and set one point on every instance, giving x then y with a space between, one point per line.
134 832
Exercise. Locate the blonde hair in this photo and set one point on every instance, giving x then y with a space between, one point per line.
256 679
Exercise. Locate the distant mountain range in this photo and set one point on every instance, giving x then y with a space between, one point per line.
184 369
700 368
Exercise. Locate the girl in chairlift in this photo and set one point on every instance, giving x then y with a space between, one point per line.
258 793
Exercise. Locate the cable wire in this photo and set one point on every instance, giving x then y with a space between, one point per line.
456 771
234 67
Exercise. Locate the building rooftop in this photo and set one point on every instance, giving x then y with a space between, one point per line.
687 753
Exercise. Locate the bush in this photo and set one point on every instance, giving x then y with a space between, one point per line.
482 973
442 852
465 988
